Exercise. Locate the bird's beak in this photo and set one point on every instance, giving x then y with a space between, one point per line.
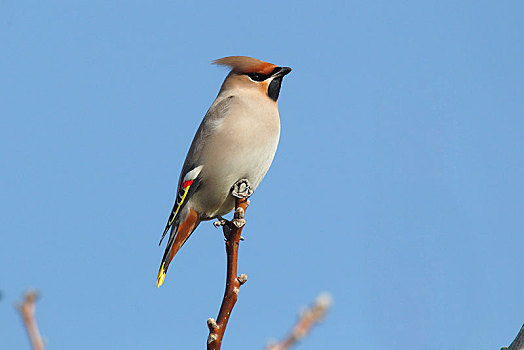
283 71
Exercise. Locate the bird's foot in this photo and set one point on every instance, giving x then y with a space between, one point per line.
227 224
237 222
242 189
220 222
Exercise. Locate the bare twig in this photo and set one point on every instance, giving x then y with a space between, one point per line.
232 232
306 320
27 310
518 343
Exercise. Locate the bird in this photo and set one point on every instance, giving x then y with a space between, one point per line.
237 139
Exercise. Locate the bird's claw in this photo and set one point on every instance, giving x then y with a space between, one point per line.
220 222
242 189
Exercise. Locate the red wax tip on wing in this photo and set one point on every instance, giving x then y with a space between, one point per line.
186 184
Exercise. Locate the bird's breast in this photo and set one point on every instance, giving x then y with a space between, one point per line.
242 145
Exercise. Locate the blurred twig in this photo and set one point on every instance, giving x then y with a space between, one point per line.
306 320
518 343
27 310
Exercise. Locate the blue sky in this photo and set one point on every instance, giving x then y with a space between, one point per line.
397 186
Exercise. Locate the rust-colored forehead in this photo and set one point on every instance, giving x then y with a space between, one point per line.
244 64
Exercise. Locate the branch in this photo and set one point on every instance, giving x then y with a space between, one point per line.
27 310
306 320
518 343
232 233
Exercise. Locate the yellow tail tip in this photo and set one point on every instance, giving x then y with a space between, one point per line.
161 276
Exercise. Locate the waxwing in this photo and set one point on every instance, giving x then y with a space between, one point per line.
237 139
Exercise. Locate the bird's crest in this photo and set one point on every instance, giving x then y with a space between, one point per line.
244 64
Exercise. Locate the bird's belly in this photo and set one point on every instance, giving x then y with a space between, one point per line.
232 163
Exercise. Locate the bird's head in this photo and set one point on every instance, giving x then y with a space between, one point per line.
253 75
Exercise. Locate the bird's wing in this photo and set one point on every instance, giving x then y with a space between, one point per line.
188 187
189 181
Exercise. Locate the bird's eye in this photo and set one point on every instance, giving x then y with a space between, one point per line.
257 77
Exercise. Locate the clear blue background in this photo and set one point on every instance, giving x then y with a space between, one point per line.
397 186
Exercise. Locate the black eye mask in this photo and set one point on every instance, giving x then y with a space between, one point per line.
262 77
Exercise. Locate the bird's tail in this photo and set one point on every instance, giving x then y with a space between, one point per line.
178 236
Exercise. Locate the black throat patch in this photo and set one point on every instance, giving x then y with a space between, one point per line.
274 88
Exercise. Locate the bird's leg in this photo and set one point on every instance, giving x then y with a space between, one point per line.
242 189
